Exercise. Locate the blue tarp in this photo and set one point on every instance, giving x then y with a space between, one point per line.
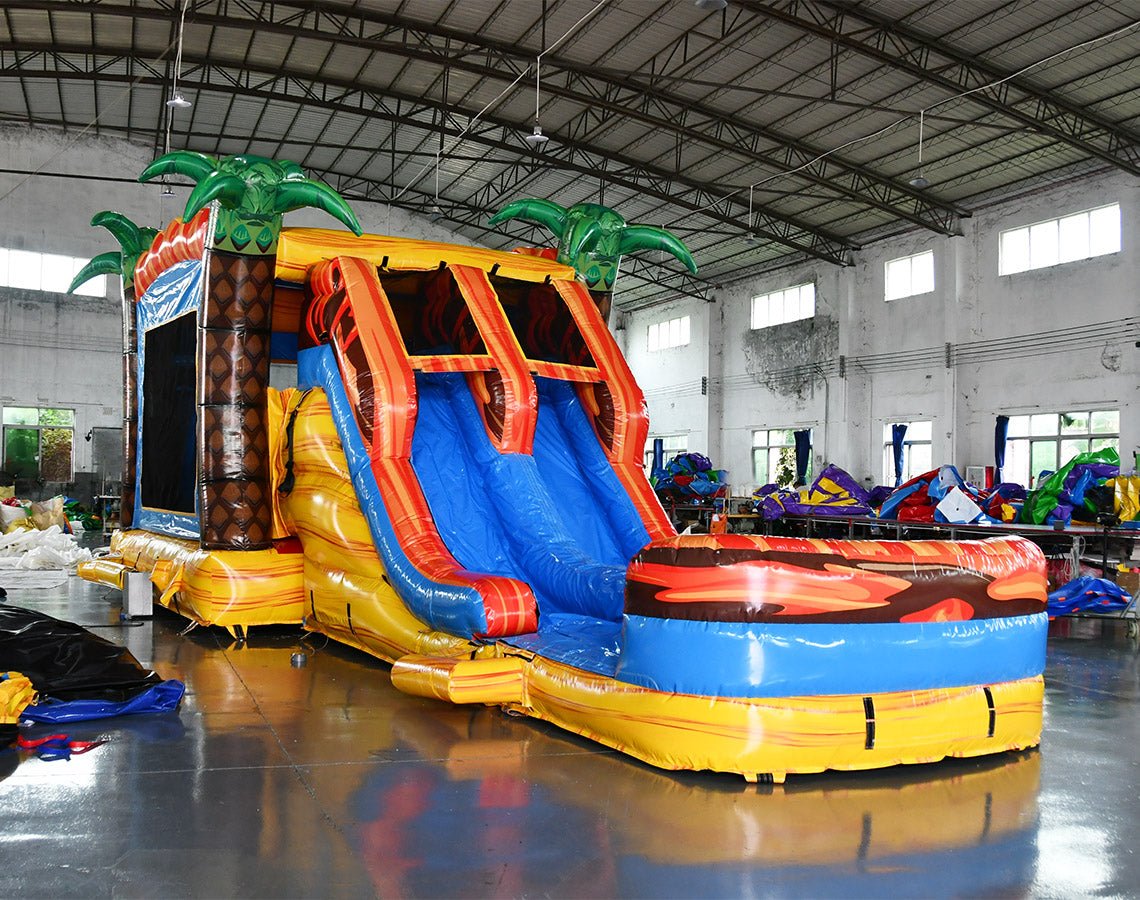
160 698
1088 594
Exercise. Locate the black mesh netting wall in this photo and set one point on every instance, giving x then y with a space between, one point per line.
168 420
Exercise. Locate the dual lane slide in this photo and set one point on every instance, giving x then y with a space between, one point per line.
558 521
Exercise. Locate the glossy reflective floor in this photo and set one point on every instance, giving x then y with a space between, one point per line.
322 780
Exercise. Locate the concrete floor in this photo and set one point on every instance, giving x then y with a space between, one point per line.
325 781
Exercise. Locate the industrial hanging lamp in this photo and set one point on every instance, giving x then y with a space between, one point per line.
750 239
536 138
177 100
920 181
436 212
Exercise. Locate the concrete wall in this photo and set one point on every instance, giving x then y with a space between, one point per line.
64 351
894 354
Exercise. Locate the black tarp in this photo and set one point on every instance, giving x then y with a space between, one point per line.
66 661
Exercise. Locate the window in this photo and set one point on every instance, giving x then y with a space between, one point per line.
664 335
1044 442
918 452
774 457
789 305
46 272
909 276
673 444
38 442
1083 235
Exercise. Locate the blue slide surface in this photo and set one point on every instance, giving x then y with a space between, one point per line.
537 518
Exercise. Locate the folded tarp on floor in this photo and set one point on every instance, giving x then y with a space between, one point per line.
76 674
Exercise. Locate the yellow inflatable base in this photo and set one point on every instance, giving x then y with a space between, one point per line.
759 739
212 587
16 692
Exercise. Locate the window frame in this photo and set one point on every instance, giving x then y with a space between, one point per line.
765 302
768 447
40 428
1053 234
909 470
682 325
682 438
911 292
1022 460
56 263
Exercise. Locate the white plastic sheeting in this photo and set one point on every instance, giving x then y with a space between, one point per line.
50 548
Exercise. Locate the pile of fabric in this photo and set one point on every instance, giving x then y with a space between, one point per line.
50 548
940 495
1088 594
1089 488
68 514
690 475
833 493
57 672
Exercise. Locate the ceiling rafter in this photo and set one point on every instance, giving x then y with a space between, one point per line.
940 64
663 111
378 32
691 195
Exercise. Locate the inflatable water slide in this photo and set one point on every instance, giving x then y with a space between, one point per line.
455 486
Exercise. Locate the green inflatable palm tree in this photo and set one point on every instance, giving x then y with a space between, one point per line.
593 239
252 194
133 242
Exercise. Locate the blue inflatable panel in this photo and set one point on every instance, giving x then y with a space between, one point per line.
454 609
741 659
604 521
496 514
283 346
580 641
177 291
160 698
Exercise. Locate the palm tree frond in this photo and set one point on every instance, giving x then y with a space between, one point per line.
546 213
122 229
295 193
650 237
226 189
109 263
196 166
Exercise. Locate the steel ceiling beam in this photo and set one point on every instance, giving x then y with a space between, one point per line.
687 194
939 64
622 96
648 275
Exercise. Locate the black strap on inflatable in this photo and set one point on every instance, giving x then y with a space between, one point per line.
286 486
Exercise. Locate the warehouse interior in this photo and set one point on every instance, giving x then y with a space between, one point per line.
901 213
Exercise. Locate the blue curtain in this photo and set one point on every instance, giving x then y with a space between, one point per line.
803 455
1001 429
898 432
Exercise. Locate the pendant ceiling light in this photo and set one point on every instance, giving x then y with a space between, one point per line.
750 238
920 180
536 138
177 100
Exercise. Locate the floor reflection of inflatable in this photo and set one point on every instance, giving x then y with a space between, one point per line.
537 806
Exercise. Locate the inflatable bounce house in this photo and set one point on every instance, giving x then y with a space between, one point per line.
455 485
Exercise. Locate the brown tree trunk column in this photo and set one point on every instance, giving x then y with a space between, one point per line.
603 300
130 408
234 508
